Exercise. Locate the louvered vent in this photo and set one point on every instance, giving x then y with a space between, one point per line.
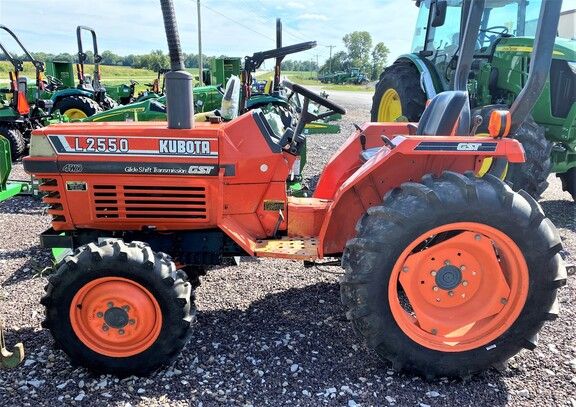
51 195
139 202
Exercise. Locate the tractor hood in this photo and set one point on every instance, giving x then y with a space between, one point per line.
564 49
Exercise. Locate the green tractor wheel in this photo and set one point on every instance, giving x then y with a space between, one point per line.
77 107
568 179
16 140
398 93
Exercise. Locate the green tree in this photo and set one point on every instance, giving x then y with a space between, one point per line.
338 62
379 59
359 44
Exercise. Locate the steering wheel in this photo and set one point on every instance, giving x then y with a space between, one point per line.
497 29
297 139
52 80
313 96
133 82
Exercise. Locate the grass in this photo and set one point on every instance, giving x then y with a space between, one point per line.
115 75
310 78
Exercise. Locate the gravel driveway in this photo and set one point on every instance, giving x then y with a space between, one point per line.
269 332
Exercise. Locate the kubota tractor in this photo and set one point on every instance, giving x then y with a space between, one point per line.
447 273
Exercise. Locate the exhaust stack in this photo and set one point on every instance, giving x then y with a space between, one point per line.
179 83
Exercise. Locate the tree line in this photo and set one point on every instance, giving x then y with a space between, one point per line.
155 60
359 54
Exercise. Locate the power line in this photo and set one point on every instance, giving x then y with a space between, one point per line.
236 22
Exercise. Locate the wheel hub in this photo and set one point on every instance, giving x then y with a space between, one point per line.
448 277
116 318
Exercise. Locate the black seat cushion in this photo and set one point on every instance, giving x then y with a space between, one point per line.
446 110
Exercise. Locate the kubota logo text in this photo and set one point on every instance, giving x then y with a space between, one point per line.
188 147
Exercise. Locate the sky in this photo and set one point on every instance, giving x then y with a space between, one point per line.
229 27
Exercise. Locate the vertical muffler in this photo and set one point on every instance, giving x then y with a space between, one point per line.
179 83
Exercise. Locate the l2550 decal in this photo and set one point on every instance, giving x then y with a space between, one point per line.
135 146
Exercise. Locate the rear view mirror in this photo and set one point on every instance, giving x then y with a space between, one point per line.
438 13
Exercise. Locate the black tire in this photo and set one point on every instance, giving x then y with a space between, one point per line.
385 231
136 262
404 78
16 141
88 106
568 179
532 175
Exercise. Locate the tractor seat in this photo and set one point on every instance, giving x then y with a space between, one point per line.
447 114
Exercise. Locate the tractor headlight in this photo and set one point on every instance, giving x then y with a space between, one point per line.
40 146
572 66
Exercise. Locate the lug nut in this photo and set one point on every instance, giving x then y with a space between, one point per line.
434 331
435 288
462 267
503 301
405 269
433 273
464 283
477 237
105 327
437 299
451 293
126 308
131 322
120 332
447 262
110 304
99 314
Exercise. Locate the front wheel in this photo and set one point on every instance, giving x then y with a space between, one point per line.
119 308
452 275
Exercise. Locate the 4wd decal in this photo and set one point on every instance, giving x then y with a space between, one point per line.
135 146
455 146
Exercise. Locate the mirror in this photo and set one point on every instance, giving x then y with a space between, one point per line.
438 13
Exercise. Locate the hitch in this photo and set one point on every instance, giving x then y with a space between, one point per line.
10 359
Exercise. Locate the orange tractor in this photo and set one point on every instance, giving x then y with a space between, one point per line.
447 272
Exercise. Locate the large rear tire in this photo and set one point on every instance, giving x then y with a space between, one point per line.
119 308
452 275
398 93
531 175
568 179
77 107
16 141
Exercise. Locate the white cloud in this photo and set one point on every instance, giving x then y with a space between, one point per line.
317 17
295 4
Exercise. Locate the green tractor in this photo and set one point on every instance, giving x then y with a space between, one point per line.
18 117
353 76
498 73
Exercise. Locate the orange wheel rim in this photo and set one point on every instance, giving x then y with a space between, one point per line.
458 287
115 317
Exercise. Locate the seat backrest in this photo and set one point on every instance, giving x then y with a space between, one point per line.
448 113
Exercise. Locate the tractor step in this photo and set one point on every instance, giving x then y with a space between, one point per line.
297 248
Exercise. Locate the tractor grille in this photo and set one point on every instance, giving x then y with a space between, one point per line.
52 197
140 202
562 88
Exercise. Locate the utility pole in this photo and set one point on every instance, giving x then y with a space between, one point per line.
317 63
200 64
330 60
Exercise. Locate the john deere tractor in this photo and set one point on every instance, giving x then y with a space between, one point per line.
503 51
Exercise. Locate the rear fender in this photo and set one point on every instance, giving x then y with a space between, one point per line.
354 186
64 93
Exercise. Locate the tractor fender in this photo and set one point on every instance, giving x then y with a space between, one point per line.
429 80
354 186
64 93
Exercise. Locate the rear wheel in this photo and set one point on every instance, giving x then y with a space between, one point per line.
16 140
569 181
77 107
398 93
453 275
119 308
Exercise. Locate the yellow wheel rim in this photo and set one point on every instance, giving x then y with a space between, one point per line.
390 107
75 114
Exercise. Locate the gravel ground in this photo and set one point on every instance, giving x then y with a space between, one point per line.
269 333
